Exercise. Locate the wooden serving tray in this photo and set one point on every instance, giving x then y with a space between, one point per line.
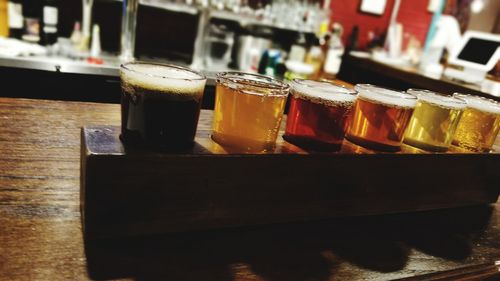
129 191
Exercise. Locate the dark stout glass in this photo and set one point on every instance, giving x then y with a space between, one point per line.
160 105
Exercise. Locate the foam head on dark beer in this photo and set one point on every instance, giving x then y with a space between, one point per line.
171 80
324 93
387 97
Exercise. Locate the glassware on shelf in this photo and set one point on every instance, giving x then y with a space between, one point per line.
219 43
297 15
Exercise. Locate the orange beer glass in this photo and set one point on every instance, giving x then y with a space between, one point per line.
380 117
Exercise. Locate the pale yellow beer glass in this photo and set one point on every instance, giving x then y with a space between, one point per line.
434 120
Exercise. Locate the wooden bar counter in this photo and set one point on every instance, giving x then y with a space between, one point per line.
41 235
367 70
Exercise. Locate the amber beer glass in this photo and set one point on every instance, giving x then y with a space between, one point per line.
434 120
380 117
248 111
479 125
160 105
317 115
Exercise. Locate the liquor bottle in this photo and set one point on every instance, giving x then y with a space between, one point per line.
316 58
16 19
334 53
298 49
32 21
4 24
50 20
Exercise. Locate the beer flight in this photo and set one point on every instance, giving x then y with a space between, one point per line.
161 104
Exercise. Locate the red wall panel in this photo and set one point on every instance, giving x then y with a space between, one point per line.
415 19
413 15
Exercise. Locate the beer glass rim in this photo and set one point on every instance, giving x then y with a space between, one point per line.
438 98
480 103
333 87
125 67
260 83
386 95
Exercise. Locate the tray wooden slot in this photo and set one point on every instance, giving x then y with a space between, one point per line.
130 191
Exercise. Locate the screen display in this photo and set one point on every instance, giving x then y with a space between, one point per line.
478 50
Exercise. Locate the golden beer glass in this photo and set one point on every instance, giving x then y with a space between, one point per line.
248 111
380 117
479 125
434 120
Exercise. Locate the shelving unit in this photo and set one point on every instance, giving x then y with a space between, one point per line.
241 18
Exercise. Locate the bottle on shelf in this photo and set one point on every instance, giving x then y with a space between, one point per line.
334 53
298 49
316 58
32 21
16 18
4 24
50 20
95 49
352 41
76 35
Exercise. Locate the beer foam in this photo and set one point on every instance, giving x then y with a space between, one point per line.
323 92
480 103
437 99
163 78
385 96
253 84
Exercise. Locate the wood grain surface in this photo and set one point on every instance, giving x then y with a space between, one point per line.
41 237
168 192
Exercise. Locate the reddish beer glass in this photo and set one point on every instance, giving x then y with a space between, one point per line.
318 113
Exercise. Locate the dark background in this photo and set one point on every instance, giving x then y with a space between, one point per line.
159 32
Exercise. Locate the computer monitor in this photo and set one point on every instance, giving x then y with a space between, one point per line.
477 53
